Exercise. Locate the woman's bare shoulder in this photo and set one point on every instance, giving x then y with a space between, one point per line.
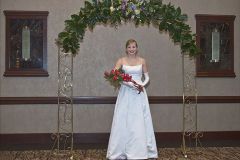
142 60
121 59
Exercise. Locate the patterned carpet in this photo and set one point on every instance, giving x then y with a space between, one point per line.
211 153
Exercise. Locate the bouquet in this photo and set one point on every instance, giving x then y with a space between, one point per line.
117 76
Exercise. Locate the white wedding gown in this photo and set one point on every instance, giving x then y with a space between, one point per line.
132 134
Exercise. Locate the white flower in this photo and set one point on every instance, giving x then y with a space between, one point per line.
137 11
112 8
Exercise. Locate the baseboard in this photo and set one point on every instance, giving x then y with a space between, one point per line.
34 141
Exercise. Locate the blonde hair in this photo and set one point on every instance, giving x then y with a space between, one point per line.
131 41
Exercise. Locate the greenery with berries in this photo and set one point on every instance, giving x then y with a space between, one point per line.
166 17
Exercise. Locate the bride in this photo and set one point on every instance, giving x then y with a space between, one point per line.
132 134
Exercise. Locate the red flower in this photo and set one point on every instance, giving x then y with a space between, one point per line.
115 78
106 74
112 71
117 72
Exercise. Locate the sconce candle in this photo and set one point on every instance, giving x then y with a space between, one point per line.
26 43
215 46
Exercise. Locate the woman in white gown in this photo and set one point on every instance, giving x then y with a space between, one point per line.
132 134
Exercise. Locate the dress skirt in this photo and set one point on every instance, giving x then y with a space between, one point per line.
132 134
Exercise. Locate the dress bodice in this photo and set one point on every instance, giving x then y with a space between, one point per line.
134 71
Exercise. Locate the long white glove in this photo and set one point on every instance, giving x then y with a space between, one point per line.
146 79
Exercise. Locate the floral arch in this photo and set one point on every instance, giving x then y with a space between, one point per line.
114 12
165 17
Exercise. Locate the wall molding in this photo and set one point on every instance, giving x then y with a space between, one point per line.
96 140
112 100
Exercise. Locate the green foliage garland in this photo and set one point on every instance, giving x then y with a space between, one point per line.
114 12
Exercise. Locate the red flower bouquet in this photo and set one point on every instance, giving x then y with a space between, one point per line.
117 76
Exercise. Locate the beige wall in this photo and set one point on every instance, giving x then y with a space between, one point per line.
98 118
98 53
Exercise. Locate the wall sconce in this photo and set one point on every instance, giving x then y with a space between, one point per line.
26 43
215 46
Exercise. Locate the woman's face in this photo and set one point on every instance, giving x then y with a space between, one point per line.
131 49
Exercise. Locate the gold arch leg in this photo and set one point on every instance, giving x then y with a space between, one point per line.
190 111
63 139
